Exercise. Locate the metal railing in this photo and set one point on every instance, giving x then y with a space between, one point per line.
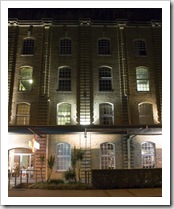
24 176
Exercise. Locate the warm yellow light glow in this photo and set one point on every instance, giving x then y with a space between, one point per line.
85 121
31 81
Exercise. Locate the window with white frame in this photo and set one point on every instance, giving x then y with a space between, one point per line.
25 78
63 114
23 114
105 79
148 154
65 46
107 157
145 113
28 46
142 78
63 153
140 48
106 114
104 46
64 76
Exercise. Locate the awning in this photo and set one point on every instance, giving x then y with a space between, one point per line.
69 129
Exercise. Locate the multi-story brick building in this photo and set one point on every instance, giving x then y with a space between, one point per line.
85 84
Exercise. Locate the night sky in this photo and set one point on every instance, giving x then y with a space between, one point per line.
138 14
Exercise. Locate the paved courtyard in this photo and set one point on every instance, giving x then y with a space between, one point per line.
148 192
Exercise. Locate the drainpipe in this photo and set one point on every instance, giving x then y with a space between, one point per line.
128 145
128 150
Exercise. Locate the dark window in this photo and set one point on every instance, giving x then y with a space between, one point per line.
64 79
104 47
28 47
140 48
65 47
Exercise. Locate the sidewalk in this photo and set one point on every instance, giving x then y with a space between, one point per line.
147 192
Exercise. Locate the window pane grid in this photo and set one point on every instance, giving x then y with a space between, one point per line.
23 114
63 156
142 77
148 155
105 79
64 114
28 46
103 47
106 114
65 46
25 79
64 79
107 156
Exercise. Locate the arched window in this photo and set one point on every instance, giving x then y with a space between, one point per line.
63 114
142 77
65 46
105 79
148 154
63 153
140 48
23 114
107 157
64 81
25 78
104 46
145 113
106 114
28 46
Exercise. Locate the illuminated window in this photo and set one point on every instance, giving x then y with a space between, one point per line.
64 83
23 114
28 46
65 46
63 152
106 114
140 48
25 78
148 154
145 113
105 79
63 114
104 47
142 77
107 157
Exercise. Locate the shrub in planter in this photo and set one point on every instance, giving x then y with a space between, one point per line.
56 181
70 175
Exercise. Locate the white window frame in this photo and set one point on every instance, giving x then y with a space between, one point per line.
65 87
107 159
143 83
148 154
26 117
106 114
103 78
64 116
147 117
63 162
27 78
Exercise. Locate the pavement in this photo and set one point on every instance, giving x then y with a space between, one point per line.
146 192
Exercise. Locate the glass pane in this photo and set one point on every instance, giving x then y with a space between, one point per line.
142 73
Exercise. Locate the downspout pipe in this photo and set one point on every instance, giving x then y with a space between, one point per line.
128 150
128 145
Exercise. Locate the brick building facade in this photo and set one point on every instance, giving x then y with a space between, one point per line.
89 84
